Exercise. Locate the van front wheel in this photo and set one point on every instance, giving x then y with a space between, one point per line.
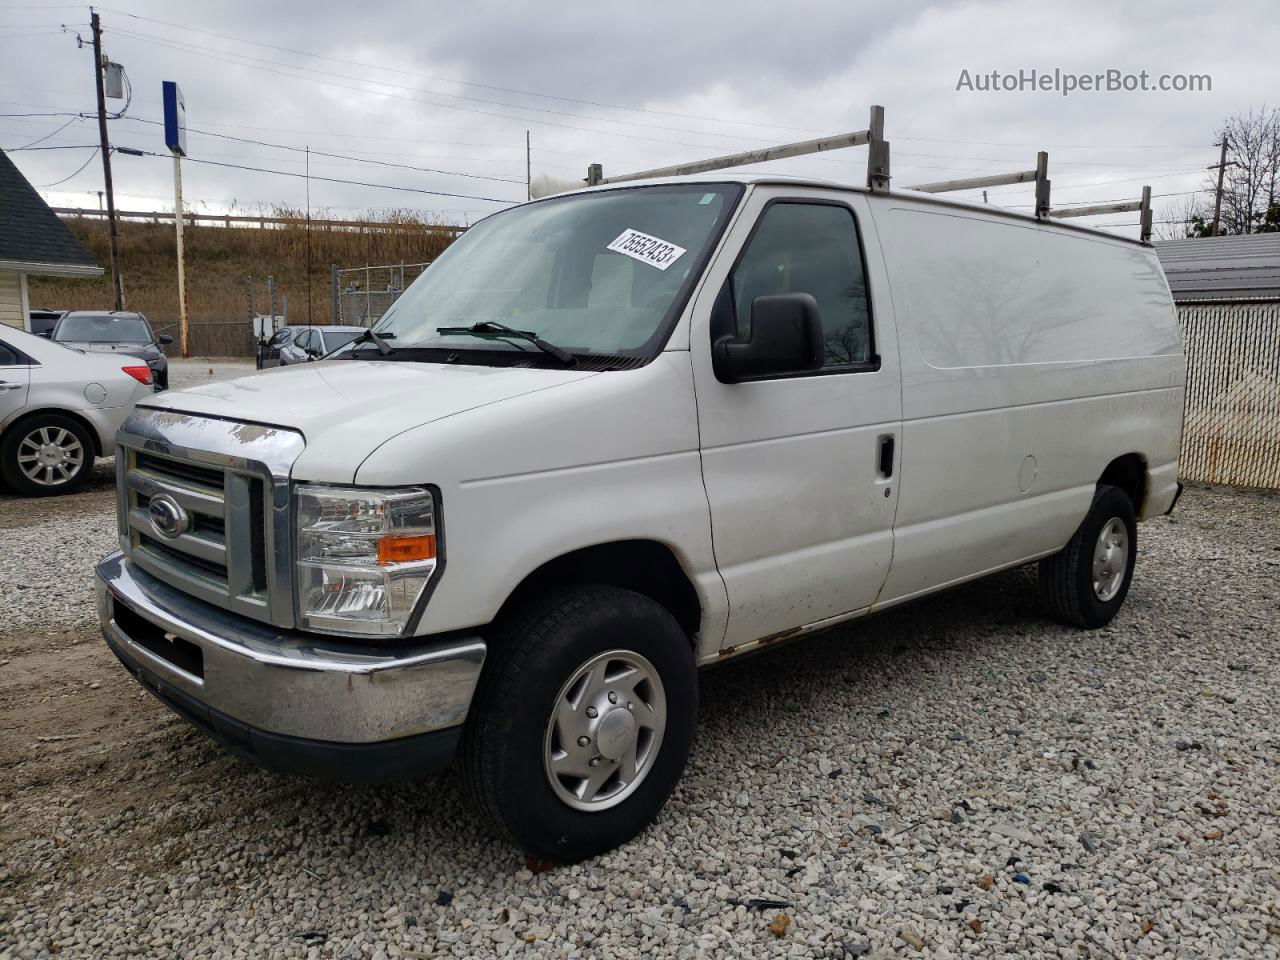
1086 582
582 723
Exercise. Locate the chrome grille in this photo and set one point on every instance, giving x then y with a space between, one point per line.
233 548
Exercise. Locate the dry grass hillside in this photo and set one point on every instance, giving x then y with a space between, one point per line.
218 260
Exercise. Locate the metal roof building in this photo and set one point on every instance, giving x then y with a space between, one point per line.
1222 268
1227 290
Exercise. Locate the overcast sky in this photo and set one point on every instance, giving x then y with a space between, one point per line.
455 86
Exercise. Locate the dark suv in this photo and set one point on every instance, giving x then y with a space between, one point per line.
116 331
41 320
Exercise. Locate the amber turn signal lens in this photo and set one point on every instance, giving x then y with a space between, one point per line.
406 549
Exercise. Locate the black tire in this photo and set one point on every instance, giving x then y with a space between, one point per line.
1066 578
529 663
11 469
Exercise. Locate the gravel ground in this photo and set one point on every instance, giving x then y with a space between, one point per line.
197 370
955 778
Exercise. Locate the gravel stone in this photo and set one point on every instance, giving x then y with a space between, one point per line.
126 833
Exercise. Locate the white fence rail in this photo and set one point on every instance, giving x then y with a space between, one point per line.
1231 426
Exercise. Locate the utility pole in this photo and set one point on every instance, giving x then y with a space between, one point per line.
1217 198
308 234
117 281
179 217
528 168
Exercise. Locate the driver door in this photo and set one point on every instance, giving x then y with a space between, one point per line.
800 469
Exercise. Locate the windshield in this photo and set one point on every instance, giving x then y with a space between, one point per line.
103 328
333 339
599 273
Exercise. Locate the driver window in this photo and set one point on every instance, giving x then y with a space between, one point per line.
809 248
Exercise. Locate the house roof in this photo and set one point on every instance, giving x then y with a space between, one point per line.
1245 267
32 238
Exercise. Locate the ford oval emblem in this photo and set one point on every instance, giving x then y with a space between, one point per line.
167 516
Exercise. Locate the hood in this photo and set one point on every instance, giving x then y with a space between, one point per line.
346 408
143 351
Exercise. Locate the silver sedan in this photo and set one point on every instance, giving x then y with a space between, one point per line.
59 409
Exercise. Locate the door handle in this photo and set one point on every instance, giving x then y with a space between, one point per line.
885 462
9 386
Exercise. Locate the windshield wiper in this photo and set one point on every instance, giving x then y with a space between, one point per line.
492 327
369 336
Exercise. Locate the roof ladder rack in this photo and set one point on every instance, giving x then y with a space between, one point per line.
1122 206
1040 176
877 173
873 137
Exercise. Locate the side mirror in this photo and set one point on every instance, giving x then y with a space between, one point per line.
47 334
786 337
164 339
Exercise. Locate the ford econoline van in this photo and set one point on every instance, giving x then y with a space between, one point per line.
613 436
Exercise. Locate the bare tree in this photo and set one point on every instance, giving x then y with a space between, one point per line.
1252 182
1189 217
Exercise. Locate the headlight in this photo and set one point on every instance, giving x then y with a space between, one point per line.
364 557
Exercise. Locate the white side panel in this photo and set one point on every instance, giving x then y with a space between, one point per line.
604 458
1031 357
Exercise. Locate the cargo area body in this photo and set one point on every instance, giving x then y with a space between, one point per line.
807 403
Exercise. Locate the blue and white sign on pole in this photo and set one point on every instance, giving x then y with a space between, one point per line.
175 119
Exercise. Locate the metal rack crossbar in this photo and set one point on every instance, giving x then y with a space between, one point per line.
877 174
1039 176
873 137
1121 206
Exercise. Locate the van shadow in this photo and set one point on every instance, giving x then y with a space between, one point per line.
428 829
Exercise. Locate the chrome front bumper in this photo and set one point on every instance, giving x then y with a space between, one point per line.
288 687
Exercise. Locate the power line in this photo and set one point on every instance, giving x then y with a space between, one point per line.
615 106
1058 163
79 169
256 62
1089 203
65 113
240 58
69 146
464 83
47 136
1061 146
1103 183
357 183
336 156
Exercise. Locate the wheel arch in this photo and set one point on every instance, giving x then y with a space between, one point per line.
1129 473
58 411
648 567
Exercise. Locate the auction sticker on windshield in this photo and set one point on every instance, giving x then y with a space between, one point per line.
651 250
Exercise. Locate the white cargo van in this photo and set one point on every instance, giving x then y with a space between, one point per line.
613 436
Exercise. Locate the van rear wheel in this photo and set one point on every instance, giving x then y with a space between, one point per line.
582 723
1086 582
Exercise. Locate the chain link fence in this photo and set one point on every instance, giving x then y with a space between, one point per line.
361 295
1231 425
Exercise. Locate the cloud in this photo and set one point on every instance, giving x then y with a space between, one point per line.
701 79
